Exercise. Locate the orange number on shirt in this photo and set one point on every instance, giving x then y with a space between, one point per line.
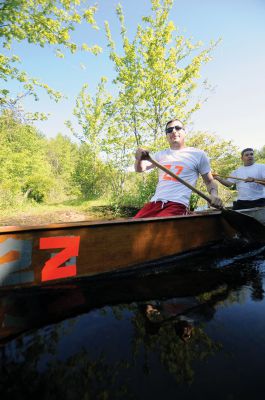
177 170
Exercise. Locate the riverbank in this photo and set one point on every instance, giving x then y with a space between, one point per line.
69 211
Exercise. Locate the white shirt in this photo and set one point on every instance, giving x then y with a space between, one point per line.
249 190
188 163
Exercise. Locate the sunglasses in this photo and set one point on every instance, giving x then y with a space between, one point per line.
248 154
170 130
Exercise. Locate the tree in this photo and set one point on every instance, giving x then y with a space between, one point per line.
260 155
156 75
42 22
24 167
62 156
90 173
223 157
92 114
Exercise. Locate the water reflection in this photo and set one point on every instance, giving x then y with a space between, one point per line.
178 340
139 338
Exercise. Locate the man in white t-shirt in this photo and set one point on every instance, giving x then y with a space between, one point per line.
172 197
250 194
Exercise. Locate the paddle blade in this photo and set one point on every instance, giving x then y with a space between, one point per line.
248 227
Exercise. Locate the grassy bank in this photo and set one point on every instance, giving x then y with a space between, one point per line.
67 211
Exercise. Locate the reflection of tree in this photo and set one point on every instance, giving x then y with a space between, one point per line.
161 339
257 289
176 356
257 293
78 377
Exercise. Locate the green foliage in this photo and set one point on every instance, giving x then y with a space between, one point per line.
37 186
224 157
42 22
194 200
32 167
62 156
10 196
90 173
260 155
137 189
223 154
93 114
22 156
156 73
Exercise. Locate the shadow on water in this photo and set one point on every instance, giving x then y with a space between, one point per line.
196 328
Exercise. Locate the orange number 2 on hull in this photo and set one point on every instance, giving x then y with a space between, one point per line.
54 268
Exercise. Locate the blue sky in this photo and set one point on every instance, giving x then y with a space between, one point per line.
234 110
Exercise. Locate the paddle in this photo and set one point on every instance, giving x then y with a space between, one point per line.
242 179
247 226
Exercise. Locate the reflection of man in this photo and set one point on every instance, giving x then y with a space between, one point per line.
250 194
184 330
161 312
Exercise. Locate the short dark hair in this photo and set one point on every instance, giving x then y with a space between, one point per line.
247 149
172 120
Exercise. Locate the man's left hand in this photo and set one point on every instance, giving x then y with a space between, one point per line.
216 201
249 179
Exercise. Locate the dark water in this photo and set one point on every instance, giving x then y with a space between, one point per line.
203 338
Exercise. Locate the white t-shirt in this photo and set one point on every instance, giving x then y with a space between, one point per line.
188 163
249 190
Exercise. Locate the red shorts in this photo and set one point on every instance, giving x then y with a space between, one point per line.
160 209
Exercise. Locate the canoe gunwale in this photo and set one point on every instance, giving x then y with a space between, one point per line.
95 223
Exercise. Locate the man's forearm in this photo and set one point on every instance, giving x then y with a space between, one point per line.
223 181
139 166
212 188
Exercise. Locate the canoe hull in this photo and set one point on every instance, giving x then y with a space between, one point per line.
57 253
40 255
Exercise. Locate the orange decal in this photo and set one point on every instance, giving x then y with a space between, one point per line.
15 261
176 169
54 268
12 255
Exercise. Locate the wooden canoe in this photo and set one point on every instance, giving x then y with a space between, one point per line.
56 253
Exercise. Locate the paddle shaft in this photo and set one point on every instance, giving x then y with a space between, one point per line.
242 179
167 171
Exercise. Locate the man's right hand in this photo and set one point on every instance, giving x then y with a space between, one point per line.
215 175
141 154
216 201
142 162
